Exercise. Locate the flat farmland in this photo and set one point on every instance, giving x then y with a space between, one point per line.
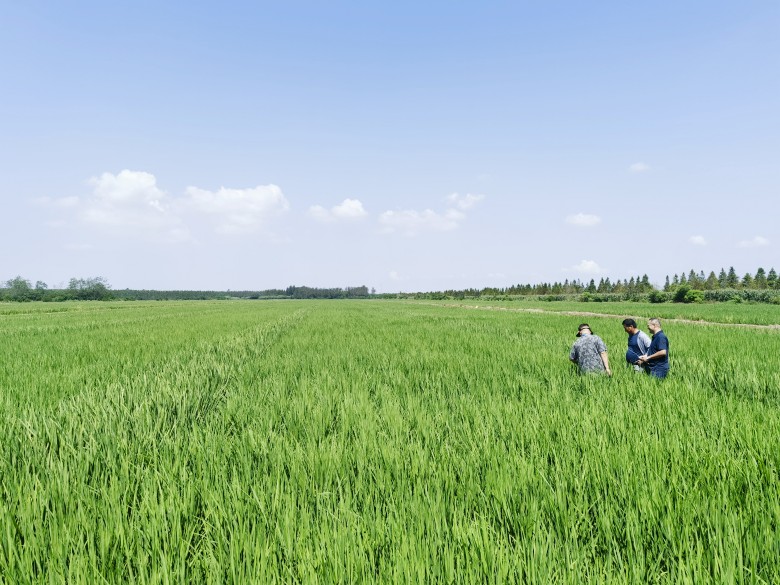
381 441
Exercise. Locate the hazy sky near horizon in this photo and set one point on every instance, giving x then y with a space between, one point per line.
401 145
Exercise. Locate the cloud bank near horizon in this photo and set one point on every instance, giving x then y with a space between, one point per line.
131 204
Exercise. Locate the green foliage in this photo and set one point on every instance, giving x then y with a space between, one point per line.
19 289
733 295
680 293
587 297
694 296
658 296
89 289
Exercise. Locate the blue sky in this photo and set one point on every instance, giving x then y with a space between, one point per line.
401 145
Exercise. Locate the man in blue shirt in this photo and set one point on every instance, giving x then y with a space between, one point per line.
657 358
638 343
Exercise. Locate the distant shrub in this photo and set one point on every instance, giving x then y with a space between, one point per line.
588 297
657 296
739 296
759 295
679 293
694 296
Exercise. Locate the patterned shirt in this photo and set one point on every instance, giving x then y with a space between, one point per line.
586 352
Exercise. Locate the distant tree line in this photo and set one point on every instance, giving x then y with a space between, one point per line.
683 288
690 287
82 289
291 292
726 286
724 280
98 289
632 286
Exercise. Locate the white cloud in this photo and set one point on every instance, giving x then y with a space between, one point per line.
394 275
756 242
349 209
464 202
639 167
583 219
127 186
697 240
238 210
411 222
128 202
588 267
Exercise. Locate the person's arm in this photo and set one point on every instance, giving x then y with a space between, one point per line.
652 356
657 354
605 359
601 347
643 341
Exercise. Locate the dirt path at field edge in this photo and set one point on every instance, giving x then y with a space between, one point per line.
589 314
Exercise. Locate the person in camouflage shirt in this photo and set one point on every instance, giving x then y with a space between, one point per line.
589 352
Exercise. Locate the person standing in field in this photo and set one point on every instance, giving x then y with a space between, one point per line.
638 343
589 352
656 361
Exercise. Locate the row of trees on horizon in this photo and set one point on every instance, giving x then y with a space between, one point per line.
98 289
639 285
679 287
83 289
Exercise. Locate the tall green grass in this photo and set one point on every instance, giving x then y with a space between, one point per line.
321 442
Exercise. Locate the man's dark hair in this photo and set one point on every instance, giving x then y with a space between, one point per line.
629 323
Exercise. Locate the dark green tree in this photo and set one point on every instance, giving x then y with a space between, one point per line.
732 280
759 280
19 289
722 279
89 289
771 279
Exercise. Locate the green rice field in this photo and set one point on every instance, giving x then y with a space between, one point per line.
383 442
